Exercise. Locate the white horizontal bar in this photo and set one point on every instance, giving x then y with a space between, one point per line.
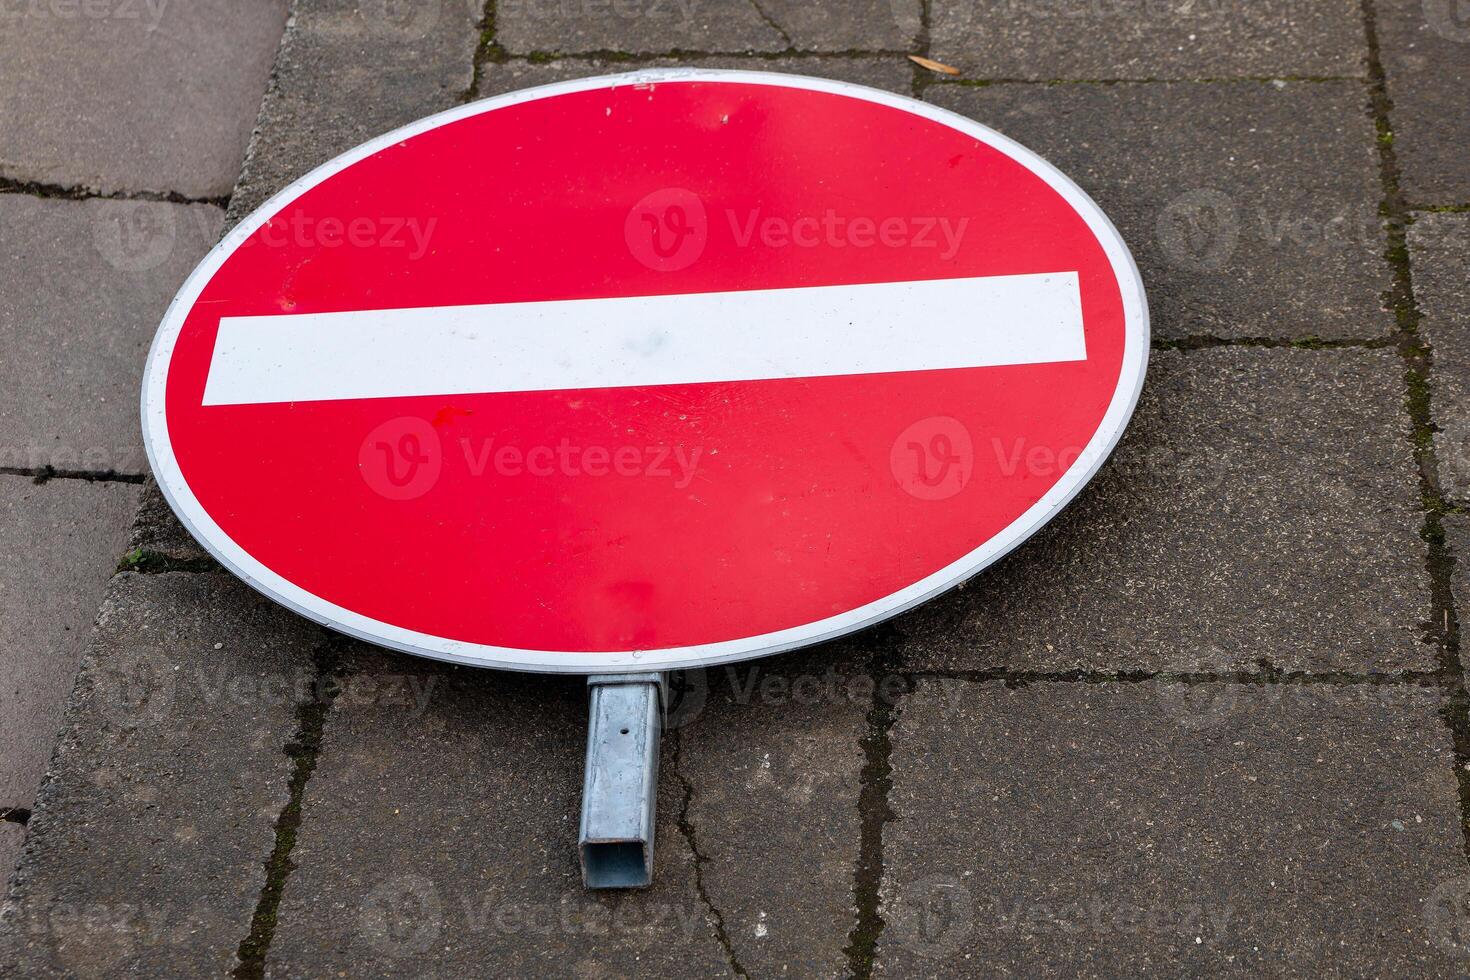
819 331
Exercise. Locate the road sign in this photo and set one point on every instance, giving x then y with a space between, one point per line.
643 372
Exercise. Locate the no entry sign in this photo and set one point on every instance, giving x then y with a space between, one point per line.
648 371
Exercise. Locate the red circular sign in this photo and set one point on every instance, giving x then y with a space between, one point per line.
647 371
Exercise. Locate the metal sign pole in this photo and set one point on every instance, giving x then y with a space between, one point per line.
619 791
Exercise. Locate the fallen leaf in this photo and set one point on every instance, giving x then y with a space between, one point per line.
932 65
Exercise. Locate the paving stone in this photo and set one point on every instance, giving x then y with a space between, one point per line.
891 74
349 71
114 95
1425 49
1439 253
1232 196
1081 830
439 834
1262 506
85 286
774 765
1148 39
149 839
62 540
636 26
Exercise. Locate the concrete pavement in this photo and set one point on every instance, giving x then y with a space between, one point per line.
122 129
1211 719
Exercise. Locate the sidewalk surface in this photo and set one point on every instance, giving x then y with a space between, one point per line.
1213 718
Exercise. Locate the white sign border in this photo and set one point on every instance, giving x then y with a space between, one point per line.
258 576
